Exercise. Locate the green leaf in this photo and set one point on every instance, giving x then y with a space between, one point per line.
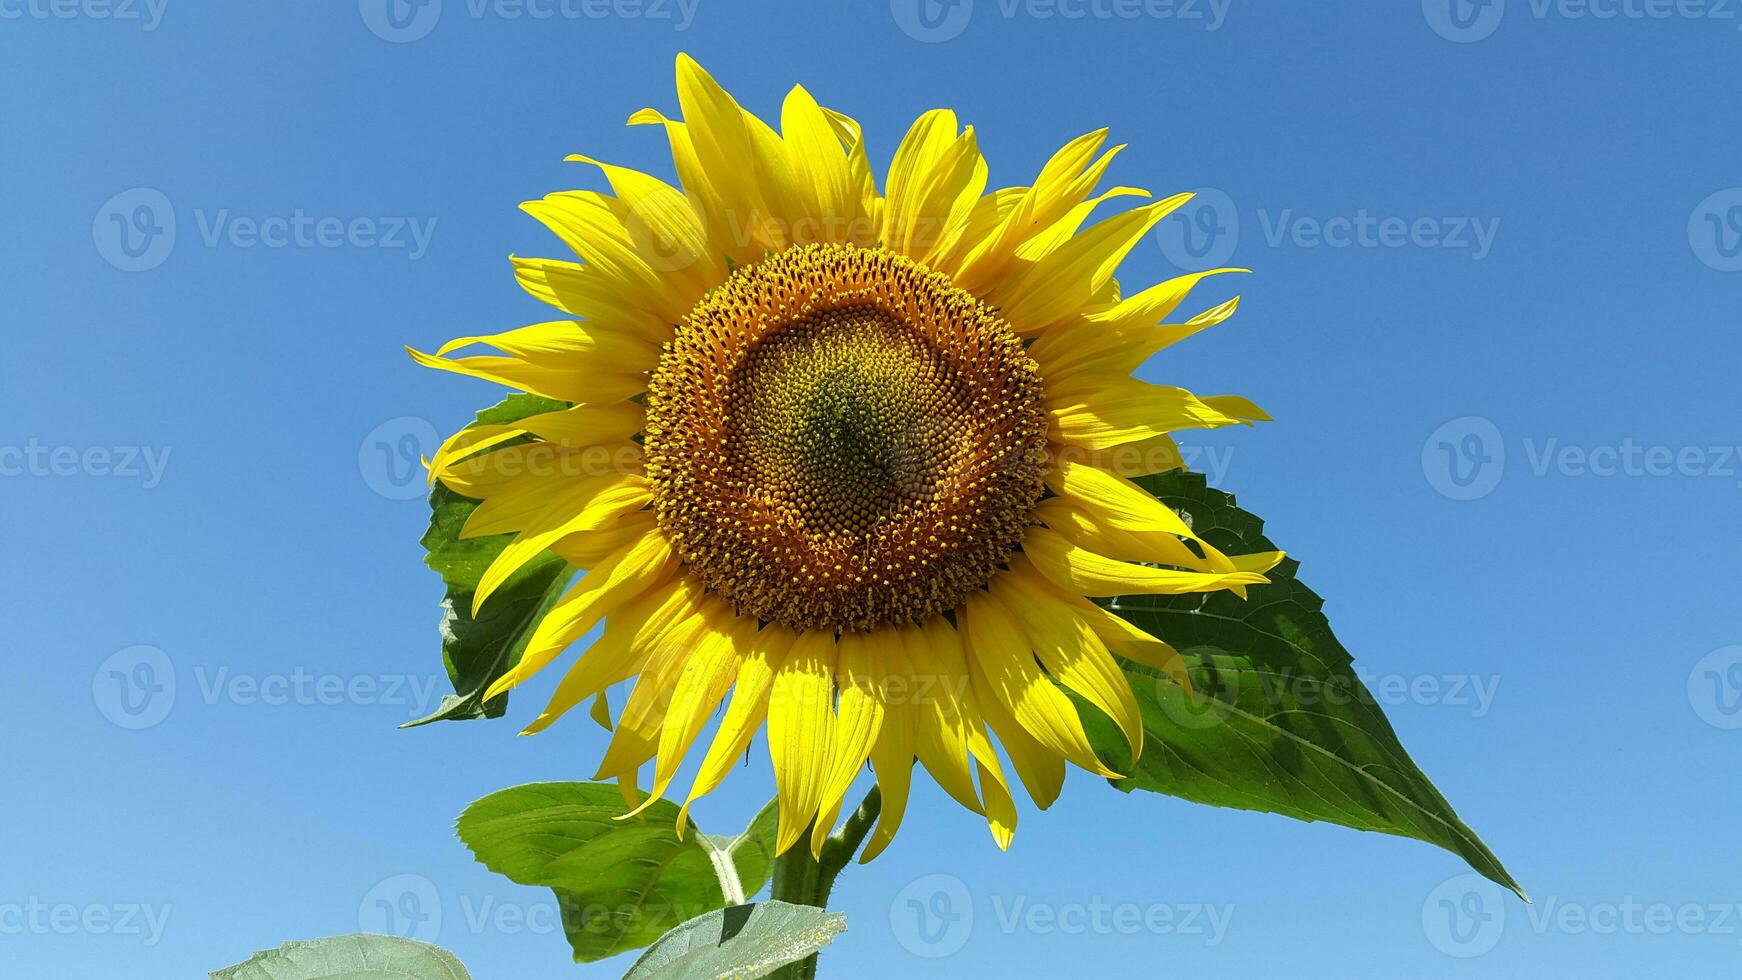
742 941
620 883
1278 720
479 650
353 957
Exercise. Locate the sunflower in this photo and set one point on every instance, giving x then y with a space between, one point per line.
858 460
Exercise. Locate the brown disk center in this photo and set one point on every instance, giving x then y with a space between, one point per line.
839 439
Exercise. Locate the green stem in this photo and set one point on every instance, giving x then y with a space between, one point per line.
803 880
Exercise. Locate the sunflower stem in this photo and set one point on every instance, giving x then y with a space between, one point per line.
803 880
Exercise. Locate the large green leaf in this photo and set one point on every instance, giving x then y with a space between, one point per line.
353 957
620 884
741 941
479 650
1278 720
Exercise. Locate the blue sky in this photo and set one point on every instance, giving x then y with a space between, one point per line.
1494 312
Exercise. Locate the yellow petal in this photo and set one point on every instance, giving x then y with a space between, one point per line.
1067 280
1064 182
764 654
941 733
621 650
580 427
563 338
864 182
1004 657
934 182
827 191
1118 633
598 504
707 675
730 153
1086 573
592 226
1237 407
617 580
664 229
1048 239
1000 806
1041 770
662 661
590 548
588 292
1118 340
467 442
892 761
950 661
858 717
551 377
1072 653
1128 410
518 483
801 731
1084 530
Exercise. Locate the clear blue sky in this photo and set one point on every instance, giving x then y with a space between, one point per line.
1511 237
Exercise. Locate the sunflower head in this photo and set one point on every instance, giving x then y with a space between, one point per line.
873 453
839 439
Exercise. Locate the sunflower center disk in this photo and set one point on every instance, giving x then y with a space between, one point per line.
838 438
